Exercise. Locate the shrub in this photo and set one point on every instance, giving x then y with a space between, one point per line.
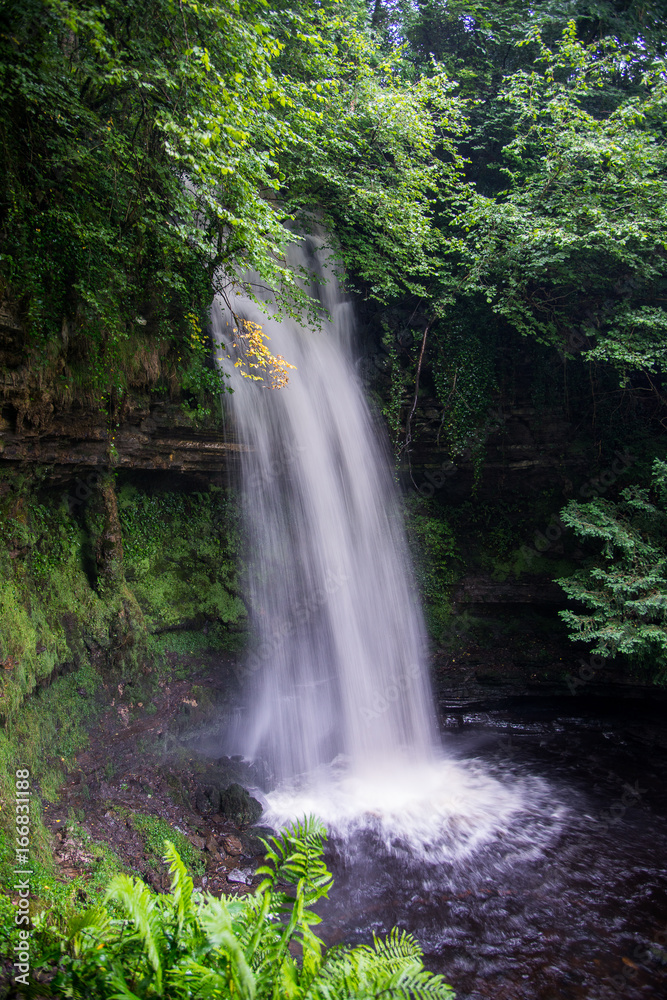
623 589
184 944
155 832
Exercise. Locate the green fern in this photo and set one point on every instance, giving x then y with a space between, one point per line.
144 911
390 968
180 945
181 885
296 857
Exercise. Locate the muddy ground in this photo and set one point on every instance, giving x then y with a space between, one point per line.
146 759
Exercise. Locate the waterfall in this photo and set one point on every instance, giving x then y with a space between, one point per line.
337 694
339 667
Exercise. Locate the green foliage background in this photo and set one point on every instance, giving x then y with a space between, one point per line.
624 587
475 168
485 171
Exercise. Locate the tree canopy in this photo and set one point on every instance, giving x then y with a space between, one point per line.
484 169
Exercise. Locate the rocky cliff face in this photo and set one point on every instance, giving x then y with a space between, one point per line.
487 515
49 417
500 510
148 435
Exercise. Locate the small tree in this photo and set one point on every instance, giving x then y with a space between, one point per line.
624 589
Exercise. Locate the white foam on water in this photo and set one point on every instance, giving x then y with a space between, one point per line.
436 812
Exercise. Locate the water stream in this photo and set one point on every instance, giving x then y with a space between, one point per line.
582 916
339 705
329 580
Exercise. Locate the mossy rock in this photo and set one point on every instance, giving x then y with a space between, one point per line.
237 805
230 800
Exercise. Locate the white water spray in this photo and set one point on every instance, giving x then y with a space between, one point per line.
337 686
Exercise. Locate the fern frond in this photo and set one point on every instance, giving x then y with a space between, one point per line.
140 905
259 947
205 982
216 920
296 856
117 981
217 923
310 829
181 885
94 920
397 948
390 968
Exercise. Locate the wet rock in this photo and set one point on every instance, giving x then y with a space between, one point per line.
232 845
207 799
211 844
242 875
252 844
202 802
237 805
221 789
196 841
178 791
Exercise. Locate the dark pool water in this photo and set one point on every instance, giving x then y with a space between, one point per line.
583 914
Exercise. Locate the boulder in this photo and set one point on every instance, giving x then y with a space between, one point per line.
232 845
237 805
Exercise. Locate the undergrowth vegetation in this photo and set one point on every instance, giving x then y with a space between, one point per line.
65 598
44 589
154 831
59 900
621 592
186 944
94 593
437 560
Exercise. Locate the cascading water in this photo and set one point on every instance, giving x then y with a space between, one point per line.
337 686
329 581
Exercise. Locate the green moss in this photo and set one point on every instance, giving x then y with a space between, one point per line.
48 890
45 735
51 617
436 558
181 557
47 603
67 608
186 642
179 571
154 831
